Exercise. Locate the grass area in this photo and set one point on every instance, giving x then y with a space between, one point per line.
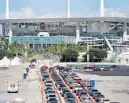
39 56
25 59
30 57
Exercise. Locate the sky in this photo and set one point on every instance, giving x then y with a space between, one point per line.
58 8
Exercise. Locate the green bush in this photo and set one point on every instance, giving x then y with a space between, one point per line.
3 53
69 55
95 55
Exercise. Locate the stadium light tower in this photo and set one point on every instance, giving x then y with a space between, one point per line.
68 12
102 9
7 9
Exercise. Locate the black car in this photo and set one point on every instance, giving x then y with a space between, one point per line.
52 100
59 86
68 95
64 91
71 100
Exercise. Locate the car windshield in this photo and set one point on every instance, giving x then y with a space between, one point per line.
94 90
65 90
52 95
106 100
48 81
71 101
69 95
52 99
50 91
12 85
83 93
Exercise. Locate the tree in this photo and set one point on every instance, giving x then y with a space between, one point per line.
4 43
79 48
57 49
3 53
69 55
96 55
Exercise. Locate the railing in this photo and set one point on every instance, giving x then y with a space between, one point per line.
44 40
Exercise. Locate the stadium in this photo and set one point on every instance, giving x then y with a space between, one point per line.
111 33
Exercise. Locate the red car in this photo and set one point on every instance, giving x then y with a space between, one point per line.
79 91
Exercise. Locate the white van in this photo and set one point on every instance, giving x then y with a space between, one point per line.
13 87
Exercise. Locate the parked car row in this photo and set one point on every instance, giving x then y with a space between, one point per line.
81 88
88 90
90 68
51 96
65 93
93 68
72 81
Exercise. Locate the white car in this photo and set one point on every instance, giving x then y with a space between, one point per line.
13 87
19 100
104 100
48 82
85 99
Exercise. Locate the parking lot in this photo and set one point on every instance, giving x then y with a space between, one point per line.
29 89
70 88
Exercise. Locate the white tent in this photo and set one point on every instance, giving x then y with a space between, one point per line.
0 63
16 61
5 62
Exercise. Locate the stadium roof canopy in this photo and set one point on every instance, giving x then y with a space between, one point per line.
34 20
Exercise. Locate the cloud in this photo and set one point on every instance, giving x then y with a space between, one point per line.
23 13
111 12
28 12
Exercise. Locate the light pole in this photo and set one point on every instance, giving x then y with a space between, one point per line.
102 9
88 56
7 9
68 8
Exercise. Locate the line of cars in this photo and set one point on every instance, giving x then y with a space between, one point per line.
64 91
75 86
81 88
93 68
51 95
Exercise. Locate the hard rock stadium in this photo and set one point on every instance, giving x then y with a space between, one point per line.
99 32
112 32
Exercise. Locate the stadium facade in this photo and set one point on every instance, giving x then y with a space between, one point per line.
99 32
102 32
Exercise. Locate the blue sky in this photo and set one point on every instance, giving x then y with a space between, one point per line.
80 7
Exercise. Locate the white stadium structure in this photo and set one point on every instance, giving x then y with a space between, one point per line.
111 33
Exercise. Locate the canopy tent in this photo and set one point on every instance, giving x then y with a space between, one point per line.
0 63
15 61
5 62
